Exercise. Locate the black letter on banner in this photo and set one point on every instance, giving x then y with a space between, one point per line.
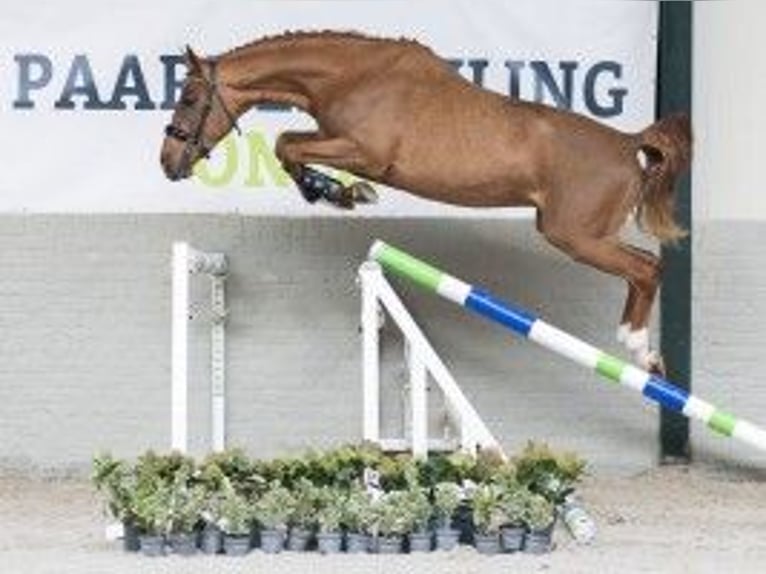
514 83
131 73
544 78
477 69
80 82
28 81
173 83
618 94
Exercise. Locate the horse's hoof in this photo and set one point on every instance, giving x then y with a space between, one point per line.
363 192
654 364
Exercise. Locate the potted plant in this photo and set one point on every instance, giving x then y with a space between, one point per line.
421 535
545 472
236 515
186 504
330 507
487 518
302 521
394 519
115 480
152 512
272 511
211 481
358 518
447 497
540 519
513 505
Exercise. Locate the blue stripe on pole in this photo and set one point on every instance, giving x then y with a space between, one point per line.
667 395
515 318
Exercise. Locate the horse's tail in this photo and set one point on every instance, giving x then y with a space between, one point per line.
667 148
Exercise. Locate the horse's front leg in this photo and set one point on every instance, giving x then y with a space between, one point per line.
633 331
640 269
297 149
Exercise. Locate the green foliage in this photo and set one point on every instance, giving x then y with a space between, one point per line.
447 497
539 513
491 466
545 472
170 493
187 503
420 508
394 514
115 481
358 513
306 501
236 513
152 506
274 508
513 503
237 468
488 514
331 503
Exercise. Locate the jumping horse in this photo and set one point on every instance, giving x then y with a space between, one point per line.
392 111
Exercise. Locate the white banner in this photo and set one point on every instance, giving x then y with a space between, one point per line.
87 87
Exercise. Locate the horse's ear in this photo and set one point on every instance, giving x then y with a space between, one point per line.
193 62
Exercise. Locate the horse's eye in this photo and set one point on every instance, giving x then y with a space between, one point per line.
187 101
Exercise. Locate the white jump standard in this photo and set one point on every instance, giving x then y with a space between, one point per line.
525 323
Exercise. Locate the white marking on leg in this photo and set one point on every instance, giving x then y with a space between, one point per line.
622 332
637 342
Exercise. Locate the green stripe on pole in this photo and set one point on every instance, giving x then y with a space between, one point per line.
722 423
610 367
409 267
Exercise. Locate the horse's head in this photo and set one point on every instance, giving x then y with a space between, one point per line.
200 120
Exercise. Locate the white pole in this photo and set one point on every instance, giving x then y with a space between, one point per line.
217 363
179 348
473 430
369 273
418 403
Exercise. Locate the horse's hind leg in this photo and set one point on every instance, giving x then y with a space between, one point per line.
639 268
296 149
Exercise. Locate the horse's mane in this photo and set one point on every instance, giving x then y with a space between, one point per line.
293 36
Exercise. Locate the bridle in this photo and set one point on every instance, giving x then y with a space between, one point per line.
193 140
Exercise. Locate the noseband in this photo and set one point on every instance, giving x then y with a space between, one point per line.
194 140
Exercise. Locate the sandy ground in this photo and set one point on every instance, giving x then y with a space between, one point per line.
672 519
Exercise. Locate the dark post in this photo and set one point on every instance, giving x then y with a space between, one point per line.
674 94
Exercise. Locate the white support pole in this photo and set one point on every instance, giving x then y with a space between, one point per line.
180 348
375 290
418 403
368 275
188 261
217 363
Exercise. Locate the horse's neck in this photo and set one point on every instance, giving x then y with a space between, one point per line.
284 71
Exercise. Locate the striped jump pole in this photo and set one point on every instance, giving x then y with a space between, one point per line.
525 323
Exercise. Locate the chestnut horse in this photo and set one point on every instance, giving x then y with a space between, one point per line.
392 111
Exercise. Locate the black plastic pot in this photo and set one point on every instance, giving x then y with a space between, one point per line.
539 541
184 544
486 543
272 541
447 538
390 544
211 539
236 544
357 543
298 540
420 541
512 538
130 541
329 542
152 545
